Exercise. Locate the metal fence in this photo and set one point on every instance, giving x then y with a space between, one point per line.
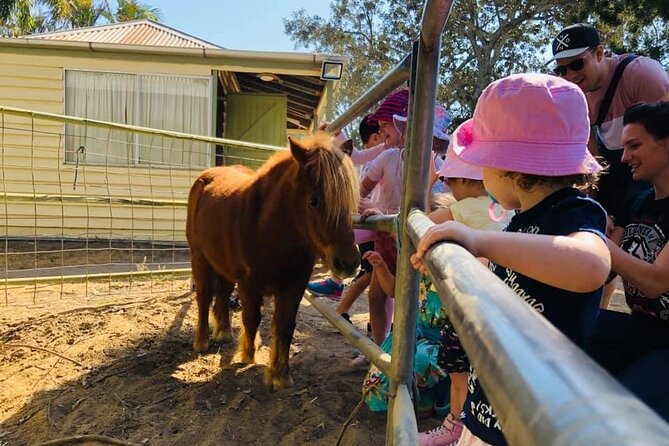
544 389
99 204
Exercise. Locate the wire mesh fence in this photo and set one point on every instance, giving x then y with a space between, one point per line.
94 208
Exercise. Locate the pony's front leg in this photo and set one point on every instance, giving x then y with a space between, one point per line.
251 300
221 327
286 305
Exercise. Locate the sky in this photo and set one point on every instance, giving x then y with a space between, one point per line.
237 24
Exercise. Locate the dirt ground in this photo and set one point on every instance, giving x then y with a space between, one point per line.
138 379
130 373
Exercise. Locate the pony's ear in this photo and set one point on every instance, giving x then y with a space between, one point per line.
300 153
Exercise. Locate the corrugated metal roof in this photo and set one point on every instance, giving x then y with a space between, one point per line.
139 32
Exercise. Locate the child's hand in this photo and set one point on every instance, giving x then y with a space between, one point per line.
447 231
374 258
370 211
418 265
365 203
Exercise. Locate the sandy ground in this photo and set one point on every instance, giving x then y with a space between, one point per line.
130 373
137 378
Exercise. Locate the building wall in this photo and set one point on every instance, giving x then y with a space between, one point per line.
34 174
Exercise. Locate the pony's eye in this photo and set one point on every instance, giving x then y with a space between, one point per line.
313 201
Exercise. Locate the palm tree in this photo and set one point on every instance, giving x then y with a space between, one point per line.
82 13
131 10
21 17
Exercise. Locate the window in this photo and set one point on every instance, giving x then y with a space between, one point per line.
181 104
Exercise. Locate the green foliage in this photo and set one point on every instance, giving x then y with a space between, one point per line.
21 17
128 10
483 39
486 40
356 29
628 26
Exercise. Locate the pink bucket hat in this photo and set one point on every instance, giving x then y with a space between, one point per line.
454 167
442 119
528 123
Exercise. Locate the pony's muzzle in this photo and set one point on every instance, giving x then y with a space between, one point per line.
346 266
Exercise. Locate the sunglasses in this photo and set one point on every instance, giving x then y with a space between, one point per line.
574 65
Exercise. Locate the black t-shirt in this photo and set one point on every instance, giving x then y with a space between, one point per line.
562 213
646 234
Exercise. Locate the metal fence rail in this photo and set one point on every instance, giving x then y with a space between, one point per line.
4 110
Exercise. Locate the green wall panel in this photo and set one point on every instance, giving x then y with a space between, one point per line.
257 118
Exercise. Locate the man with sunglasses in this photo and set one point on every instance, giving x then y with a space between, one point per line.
580 59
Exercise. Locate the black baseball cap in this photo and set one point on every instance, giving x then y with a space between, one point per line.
574 40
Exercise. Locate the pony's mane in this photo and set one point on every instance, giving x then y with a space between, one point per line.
334 173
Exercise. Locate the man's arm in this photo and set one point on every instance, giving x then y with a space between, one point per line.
652 279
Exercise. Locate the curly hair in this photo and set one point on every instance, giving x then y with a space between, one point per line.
586 182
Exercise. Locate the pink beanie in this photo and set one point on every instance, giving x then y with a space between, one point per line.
396 103
529 123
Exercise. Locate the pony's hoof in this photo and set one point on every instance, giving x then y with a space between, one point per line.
200 345
278 382
222 336
242 358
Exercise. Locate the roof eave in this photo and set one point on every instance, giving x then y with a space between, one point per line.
215 56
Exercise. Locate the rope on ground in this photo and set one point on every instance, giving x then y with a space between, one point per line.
352 416
77 439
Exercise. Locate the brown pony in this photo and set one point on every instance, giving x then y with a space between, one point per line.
263 231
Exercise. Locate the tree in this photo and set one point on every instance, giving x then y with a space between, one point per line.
356 29
626 26
484 40
128 10
21 17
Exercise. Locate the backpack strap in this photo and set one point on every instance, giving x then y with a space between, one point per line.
610 91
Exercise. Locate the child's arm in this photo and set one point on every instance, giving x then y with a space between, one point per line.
578 262
432 178
366 155
441 215
366 186
383 274
652 279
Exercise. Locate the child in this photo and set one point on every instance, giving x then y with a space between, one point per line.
386 172
553 253
471 208
431 361
440 139
635 347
